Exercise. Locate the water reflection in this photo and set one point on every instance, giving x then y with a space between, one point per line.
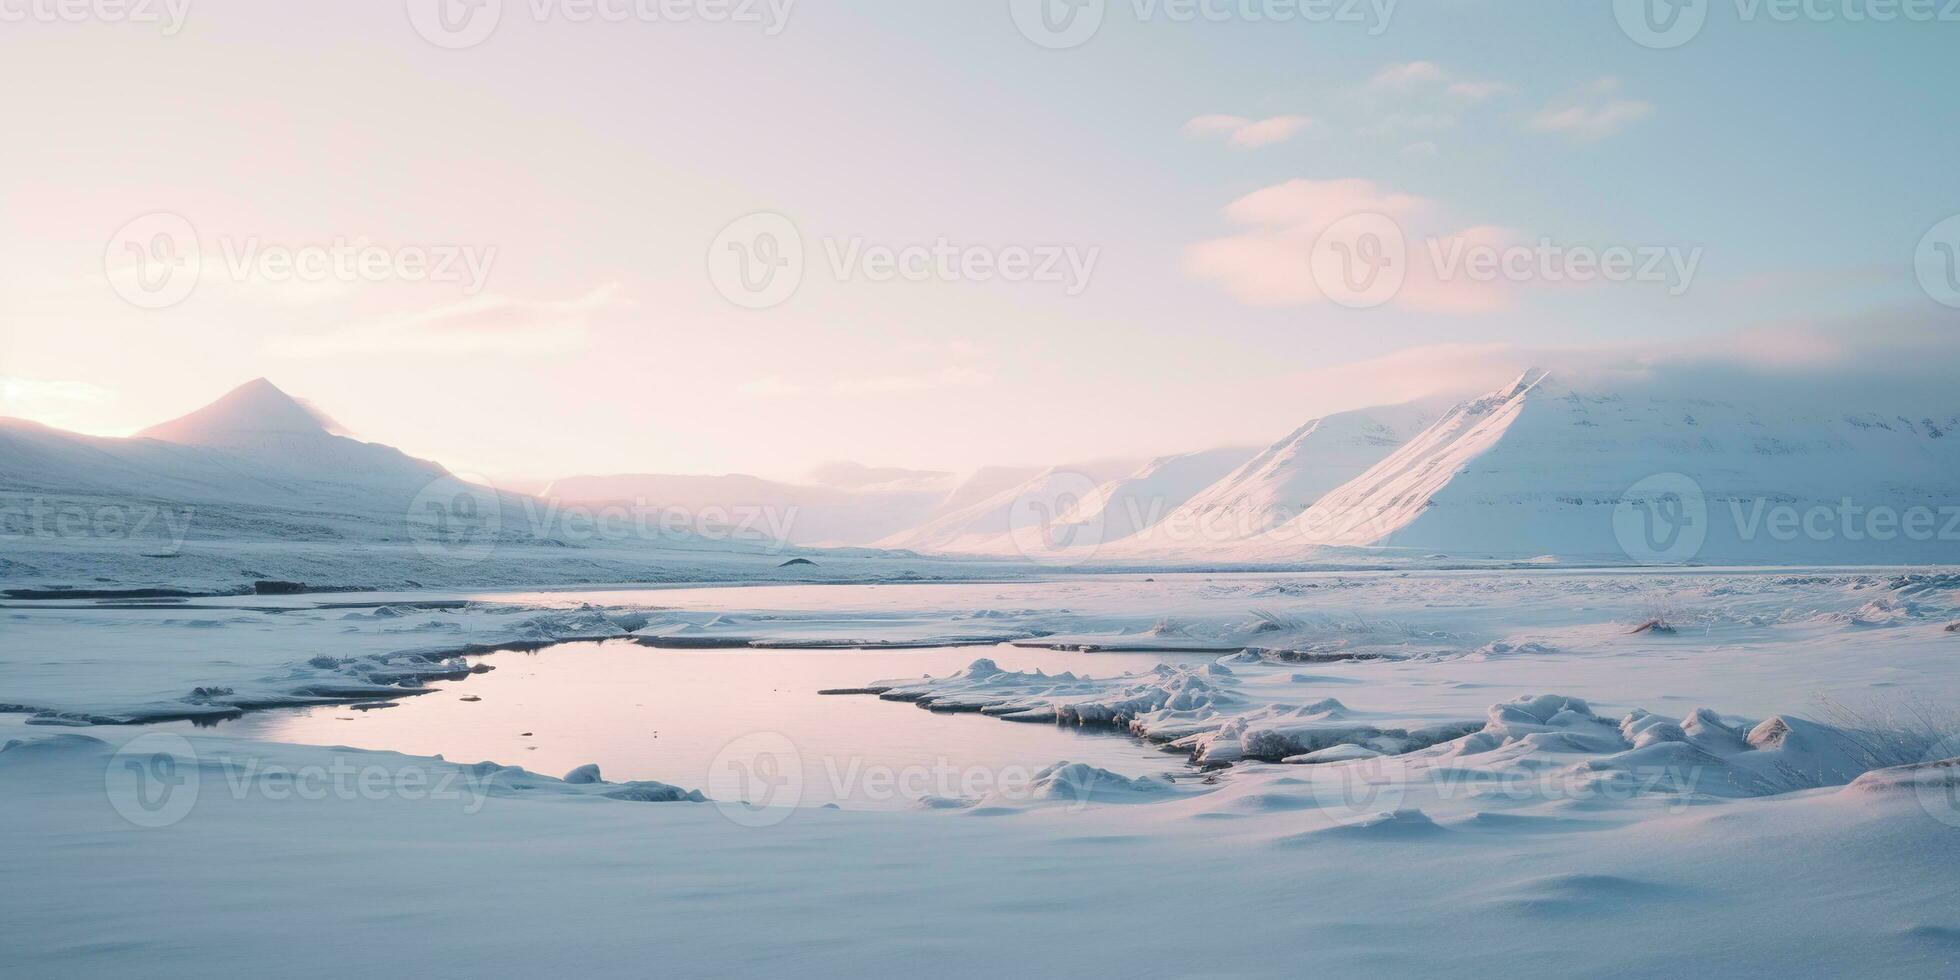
663 714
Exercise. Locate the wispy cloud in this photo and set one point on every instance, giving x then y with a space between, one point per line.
1420 97
1246 133
1271 262
1407 74
1592 113
486 324
1469 91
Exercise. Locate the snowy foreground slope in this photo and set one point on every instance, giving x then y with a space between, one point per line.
1430 773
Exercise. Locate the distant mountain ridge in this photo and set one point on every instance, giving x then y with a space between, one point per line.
1538 468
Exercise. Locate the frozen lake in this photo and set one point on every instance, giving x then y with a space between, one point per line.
668 715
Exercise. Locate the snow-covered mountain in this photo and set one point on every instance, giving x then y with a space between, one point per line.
806 514
249 415
255 446
980 516
1073 509
1279 483
1598 471
1637 472
260 465
1128 505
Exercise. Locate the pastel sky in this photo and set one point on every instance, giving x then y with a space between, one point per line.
591 165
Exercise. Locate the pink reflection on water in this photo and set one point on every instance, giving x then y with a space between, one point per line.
644 713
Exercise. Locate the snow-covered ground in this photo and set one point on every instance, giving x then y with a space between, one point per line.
1544 773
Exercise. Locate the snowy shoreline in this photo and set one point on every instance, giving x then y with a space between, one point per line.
1509 739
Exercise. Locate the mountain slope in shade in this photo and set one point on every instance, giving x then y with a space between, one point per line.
976 521
1123 507
1280 482
847 475
1538 468
804 514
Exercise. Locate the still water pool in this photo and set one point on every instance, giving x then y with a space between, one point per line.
675 715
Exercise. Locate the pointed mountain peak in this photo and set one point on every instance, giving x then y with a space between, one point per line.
1531 378
251 411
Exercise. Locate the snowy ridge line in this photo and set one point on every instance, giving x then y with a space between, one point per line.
684 642
1200 711
1193 710
255 765
325 679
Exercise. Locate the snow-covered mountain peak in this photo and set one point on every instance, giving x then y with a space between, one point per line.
247 413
